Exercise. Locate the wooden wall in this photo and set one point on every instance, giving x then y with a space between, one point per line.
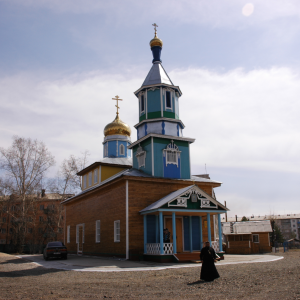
108 204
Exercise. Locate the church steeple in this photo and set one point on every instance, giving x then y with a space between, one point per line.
161 150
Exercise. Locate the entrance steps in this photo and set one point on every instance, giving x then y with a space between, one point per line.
187 257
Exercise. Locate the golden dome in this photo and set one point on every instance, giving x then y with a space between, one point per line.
117 127
156 42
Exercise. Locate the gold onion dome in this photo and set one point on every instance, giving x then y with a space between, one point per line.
117 127
156 42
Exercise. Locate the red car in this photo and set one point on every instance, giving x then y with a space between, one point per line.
55 249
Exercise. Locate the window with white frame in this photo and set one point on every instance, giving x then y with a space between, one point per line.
84 181
122 149
68 234
117 231
142 103
96 176
255 238
98 231
168 100
172 154
106 149
141 157
90 178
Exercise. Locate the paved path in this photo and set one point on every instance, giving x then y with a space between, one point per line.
99 264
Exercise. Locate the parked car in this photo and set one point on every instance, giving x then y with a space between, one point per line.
55 249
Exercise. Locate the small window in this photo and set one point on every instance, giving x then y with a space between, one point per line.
4 208
90 178
41 219
117 231
142 103
168 100
84 181
68 234
13 208
255 238
106 149
10 230
96 176
29 230
41 207
4 220
122 149
3 230
40 230
171 157
141 157
98 231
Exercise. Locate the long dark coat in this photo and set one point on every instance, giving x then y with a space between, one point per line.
208 270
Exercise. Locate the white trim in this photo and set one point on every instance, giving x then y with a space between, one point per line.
141 157
116 240
161 102
140 99
146 104
171 149
165 93
127 223
159 119
152 155
175 87
190 162
171 137
122 147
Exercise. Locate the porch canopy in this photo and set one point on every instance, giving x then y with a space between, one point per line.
190 203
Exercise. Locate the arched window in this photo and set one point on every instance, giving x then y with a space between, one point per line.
122 149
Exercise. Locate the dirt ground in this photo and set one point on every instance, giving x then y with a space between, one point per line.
20 279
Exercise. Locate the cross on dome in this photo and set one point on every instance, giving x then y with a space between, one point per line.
117 106
155 25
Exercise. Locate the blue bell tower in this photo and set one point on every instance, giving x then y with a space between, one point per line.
161 150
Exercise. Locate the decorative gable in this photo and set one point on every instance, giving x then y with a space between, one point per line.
193 199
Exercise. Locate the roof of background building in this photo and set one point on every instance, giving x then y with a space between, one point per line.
247 227
264 217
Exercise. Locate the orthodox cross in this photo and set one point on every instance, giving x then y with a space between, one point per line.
117 106
155 27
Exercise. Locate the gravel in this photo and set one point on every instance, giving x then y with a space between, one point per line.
20 279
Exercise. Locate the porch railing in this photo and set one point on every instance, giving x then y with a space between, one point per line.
154 248
215 246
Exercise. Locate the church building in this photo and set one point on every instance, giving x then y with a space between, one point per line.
138 189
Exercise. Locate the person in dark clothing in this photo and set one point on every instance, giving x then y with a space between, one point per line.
166 235
208 258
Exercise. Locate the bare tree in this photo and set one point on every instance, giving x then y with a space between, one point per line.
25 163
68 180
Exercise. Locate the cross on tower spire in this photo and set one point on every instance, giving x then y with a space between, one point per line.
155 25
117 106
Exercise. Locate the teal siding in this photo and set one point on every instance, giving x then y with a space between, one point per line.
146 145
159 145
153 101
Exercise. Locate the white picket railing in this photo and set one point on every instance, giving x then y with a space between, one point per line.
215 245
154 248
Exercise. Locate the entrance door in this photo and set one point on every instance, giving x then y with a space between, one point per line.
80 240
179 243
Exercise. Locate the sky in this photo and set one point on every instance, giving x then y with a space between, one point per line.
236 62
